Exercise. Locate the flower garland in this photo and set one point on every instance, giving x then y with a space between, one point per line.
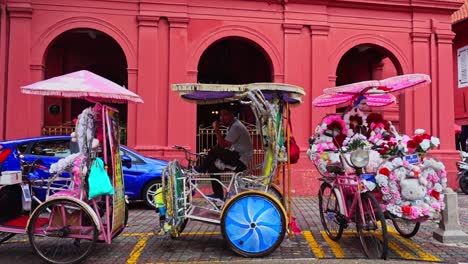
333 123
412 192
354 118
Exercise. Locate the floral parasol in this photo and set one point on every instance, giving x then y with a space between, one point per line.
376 92
83 84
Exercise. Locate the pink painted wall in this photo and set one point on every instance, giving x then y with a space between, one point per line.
163 42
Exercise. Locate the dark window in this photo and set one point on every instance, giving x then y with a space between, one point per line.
53 148
22 148
135 159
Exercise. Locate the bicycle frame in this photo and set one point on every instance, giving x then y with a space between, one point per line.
340 183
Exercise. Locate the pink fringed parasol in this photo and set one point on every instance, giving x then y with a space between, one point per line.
83 84
335 99
376 92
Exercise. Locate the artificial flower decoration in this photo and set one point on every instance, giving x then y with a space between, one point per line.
412 191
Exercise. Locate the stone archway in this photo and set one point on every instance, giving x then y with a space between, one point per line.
230 60
82 49
369 62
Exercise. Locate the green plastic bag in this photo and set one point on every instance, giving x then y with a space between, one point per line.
98 180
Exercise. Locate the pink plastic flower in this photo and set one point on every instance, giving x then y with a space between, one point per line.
415 212
385 190
436 206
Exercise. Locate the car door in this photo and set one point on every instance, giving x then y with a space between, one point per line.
132 176
48 150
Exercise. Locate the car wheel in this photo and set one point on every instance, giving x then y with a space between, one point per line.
149 192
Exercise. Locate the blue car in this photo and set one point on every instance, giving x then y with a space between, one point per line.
141 180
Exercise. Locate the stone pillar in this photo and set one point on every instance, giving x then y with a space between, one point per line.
449 228
132 77
3 56
443 116
297 72
181 115
19 74
319 73
416 104
148 131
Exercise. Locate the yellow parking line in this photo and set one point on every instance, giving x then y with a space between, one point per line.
335 247
136 251
16 241
183 233
412 245
314 246
398 249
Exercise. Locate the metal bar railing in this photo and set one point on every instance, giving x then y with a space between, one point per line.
206 139
67 130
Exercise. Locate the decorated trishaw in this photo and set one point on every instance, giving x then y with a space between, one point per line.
88 205
253 214
407 183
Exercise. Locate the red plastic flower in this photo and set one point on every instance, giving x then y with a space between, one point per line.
435 194
374 118
426 136
406 209
340 138
355 120
335 126
417 139
384 150
412 145
384 171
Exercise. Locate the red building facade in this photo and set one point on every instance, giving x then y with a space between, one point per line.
146 45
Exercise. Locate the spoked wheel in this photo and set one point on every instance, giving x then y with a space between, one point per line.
150 191
274 190
174 193
406 228
372 228
253 224
62 231
331 209
5 236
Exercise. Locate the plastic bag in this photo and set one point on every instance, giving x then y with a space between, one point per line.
98 180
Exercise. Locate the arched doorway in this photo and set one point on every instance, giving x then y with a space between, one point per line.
369 62
82 49
231 60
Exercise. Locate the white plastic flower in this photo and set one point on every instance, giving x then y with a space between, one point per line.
381 180
435 141
419 131
397 162
425 144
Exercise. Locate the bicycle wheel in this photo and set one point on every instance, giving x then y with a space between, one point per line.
274 190
406 228
253 224
5 236
330 208
62 231
372 228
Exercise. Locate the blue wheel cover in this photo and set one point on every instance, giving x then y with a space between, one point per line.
253 224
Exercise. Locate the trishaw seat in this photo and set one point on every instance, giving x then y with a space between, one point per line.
75 193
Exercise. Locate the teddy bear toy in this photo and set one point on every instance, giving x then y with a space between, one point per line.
412 191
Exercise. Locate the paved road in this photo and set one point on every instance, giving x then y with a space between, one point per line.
203 243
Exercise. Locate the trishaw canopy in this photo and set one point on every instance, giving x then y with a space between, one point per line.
221 93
